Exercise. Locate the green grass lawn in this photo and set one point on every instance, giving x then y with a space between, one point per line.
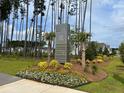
114 83
11 65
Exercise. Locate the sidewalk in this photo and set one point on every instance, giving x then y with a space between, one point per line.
27 86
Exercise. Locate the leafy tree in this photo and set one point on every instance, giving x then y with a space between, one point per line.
91 51
5 8
106 51
114 51
16 44
100 50
121 49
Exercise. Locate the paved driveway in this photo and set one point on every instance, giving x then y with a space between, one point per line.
17 85
6 79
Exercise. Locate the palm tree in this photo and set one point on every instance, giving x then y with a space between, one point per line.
49 38
82 38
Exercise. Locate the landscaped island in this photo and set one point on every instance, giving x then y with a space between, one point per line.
69 75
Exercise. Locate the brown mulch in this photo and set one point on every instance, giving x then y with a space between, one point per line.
97 77
100 75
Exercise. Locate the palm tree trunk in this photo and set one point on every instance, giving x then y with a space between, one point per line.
49 51
13 25
21 39
32 37
36 36
25 45
17 29
19 34
40 37
47 12
83 55
90 19
7 36
84 16
1 45
5 33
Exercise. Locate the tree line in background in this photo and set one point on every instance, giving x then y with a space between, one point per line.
27 35
17 12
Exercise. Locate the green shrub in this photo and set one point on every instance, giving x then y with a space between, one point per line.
94 69
92 50
55 78
54 64
68 66
121 50
43 65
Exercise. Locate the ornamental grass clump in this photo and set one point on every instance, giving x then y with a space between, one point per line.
54 64
43 65
68 66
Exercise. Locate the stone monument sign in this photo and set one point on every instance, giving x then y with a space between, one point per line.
62 43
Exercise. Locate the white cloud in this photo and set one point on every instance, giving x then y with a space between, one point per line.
118 13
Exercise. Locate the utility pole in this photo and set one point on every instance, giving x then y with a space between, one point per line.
26 33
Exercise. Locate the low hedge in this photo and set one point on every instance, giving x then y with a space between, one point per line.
54 78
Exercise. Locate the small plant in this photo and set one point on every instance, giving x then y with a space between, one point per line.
43 65
79 61
100 61
99 57
94 61
94 69
68 66
54 64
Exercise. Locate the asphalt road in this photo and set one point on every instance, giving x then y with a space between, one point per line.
6 79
